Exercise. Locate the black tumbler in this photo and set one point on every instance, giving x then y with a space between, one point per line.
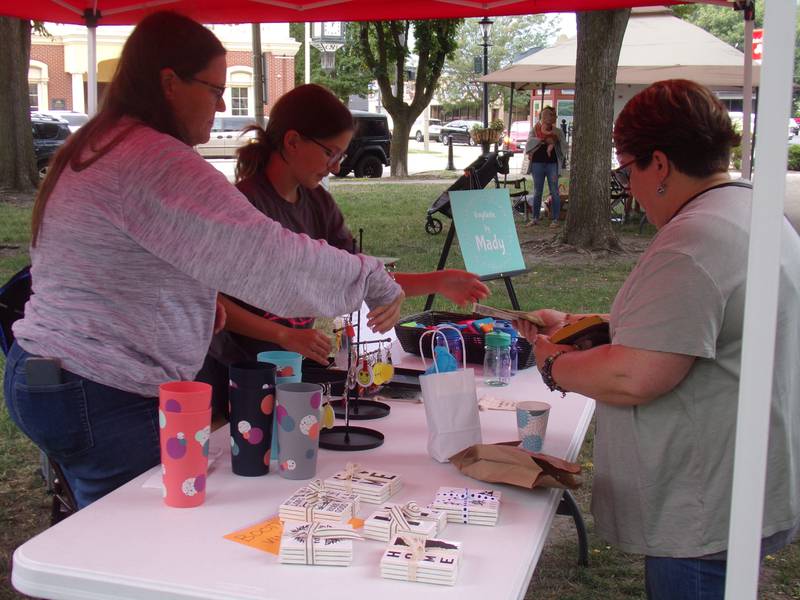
252 406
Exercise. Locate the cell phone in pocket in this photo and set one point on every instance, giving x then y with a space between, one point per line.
43 371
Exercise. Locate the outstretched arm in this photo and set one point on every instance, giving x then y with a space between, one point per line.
457 286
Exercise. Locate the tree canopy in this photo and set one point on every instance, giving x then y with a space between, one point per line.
510 36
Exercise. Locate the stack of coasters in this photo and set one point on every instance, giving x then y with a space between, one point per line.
410 558
317 544
373 487
313 503
466 505
397 519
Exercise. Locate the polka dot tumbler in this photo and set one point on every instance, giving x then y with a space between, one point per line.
298 417
252 406
184 418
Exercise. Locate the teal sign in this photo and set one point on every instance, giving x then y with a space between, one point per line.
486 231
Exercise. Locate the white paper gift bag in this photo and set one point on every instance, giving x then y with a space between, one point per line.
451 406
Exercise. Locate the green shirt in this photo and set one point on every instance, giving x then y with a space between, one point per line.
663 470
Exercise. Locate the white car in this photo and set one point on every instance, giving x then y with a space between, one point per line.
74 119
226 137
418 129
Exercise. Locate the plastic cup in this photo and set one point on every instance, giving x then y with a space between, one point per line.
532 424
291 365
184 438
298 418
184 396
252 406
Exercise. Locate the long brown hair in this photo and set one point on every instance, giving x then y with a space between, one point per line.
311 110
161 40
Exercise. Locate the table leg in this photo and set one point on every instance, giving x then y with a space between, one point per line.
569 507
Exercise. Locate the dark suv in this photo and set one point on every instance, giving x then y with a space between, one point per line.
49 133
370 147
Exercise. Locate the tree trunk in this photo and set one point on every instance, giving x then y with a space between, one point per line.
17 165
600 36
400 147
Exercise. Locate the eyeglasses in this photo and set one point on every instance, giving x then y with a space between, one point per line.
334 158
623 173
219 90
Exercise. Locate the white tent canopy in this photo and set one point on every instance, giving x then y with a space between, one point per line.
657 45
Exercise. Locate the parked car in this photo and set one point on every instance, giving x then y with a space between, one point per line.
227 137
49 133
794 128
74 119
370 148
418 128
515 140
459 132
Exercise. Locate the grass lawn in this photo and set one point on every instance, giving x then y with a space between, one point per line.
393 216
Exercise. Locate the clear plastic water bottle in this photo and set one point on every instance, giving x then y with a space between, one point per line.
514 348
497 359
452 340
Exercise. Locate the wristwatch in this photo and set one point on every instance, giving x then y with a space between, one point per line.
547 373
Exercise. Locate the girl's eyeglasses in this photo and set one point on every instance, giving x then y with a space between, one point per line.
219 90
334 158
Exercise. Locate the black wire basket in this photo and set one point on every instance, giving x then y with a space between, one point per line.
473 342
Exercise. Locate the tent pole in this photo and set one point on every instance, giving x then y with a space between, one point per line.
747 91
761 305
510 111
91 17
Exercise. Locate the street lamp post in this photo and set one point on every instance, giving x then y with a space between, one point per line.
486 28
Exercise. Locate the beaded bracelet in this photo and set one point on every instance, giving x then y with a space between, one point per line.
547 373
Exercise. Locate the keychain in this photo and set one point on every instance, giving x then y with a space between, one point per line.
327 416
383 371
364 376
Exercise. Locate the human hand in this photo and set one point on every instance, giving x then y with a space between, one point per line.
543 347
383 318
550 148
461 287
312 343
552 319
219 317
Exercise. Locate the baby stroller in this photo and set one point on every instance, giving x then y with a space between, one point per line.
476 177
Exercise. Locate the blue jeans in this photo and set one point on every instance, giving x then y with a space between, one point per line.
540 171
100 436
684 578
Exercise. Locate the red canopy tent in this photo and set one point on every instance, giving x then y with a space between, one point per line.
127 12
769 189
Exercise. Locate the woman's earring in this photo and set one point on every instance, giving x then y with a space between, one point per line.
661 189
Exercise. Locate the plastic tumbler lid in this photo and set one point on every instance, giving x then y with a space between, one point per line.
498 339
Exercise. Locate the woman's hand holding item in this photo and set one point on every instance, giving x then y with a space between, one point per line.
383 318
461 287
553 320
311 343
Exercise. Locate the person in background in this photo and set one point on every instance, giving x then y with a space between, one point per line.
133 234
667 386
545 150
308 132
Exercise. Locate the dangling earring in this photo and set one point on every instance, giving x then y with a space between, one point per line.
661 189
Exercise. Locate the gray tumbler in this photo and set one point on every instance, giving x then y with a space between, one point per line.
298 418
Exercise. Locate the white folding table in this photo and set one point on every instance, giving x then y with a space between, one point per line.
130 545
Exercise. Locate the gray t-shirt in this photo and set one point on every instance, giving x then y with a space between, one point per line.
134 248
663 470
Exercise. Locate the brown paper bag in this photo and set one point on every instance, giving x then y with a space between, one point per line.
506 463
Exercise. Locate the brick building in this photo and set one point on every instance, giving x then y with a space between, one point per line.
58 67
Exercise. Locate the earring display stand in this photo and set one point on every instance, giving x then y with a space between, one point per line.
348 438
362 409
